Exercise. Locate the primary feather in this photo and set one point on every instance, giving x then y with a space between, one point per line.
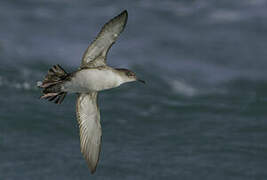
88 117
95 54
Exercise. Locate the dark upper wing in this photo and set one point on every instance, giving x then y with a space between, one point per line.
95 55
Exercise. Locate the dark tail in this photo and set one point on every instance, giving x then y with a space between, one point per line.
51 84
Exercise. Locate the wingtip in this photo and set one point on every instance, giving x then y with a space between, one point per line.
124 13
93 170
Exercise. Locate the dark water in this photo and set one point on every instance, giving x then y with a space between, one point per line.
201 115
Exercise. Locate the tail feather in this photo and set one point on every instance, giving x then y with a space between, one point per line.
55 74
60 98
51 84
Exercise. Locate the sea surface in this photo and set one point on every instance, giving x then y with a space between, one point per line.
202 114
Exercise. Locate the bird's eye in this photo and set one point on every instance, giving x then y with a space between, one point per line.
129 73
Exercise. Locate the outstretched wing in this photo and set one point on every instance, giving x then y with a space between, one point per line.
96 53
88 117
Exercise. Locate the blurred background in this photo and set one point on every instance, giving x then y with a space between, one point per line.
201 115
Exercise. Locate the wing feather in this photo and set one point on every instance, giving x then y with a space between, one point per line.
88 117
95 54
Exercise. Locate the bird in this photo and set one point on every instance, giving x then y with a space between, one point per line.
93 76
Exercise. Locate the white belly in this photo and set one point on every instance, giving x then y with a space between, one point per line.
88 80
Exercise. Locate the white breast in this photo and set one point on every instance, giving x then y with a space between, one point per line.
88 80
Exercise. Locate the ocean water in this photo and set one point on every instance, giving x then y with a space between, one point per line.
201 115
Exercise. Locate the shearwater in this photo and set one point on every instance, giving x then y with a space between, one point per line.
94 75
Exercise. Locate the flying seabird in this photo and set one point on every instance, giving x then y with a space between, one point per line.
94 75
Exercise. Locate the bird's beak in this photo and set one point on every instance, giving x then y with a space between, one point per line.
142 81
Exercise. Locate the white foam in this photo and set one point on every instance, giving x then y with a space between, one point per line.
176 7
26 85
17 85
23 85
226 16
183 88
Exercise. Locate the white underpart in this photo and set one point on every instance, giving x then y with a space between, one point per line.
91 80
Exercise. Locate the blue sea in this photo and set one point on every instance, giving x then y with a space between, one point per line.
202 114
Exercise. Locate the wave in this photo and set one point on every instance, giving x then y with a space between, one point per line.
183 88
24 85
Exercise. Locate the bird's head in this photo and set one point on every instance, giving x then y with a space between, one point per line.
129 76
